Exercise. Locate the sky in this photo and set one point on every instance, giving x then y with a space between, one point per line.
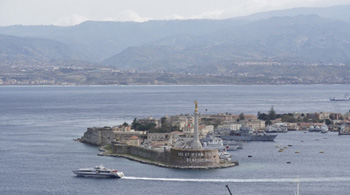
72 12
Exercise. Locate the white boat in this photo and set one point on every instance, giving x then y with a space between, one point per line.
345 98
233 145
213 143
98 171
225 155
277 128
314 129
324 129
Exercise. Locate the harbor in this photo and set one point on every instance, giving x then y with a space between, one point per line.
37 134
197 144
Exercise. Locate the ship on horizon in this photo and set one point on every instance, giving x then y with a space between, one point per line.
345 98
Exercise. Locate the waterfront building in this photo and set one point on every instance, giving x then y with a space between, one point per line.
159 139
202 129
292 126
335 116
323 115
181 121
306 126
149 120
346 116
254 124
105 135
230 126
122 128
133 141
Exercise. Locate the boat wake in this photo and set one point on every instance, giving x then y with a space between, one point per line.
271 180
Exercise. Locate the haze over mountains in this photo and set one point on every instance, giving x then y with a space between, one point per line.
299 35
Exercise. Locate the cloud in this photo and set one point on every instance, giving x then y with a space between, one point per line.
71 20
174 17
216 14
128 15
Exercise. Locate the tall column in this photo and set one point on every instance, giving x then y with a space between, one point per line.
196 144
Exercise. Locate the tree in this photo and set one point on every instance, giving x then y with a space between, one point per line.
263 117
288 118
125 124
268 122
163 121
241 116
328 122
272 114
134 124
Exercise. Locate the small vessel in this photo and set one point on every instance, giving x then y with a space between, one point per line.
233 145
98 171
324 129
225 155
345 98
344 129
314 129
213 143
277 128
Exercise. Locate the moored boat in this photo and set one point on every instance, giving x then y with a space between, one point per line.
98 171
247 134
324 129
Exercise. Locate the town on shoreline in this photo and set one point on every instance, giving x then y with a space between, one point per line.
168 141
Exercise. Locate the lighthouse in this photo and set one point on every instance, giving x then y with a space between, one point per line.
196 144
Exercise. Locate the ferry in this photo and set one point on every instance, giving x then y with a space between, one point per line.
345 98
98 171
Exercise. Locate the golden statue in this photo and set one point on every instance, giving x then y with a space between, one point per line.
196 106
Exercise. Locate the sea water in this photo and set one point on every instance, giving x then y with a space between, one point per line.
38 154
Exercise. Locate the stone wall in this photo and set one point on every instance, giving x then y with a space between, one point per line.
92 136
141 152
188 157
176 157
105 135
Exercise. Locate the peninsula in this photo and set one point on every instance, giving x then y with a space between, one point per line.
201 141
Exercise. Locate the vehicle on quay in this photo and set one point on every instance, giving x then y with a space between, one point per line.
98 171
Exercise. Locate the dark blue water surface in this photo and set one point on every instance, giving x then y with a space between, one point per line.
38 154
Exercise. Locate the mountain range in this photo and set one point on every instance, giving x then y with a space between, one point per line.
298 35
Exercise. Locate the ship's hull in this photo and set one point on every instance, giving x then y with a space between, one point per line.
315 130
98 175
250 138
339 99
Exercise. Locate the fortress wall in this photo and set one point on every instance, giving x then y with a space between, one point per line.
176 157
139 151
188 157
92 136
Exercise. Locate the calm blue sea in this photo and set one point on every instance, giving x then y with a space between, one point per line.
38 154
